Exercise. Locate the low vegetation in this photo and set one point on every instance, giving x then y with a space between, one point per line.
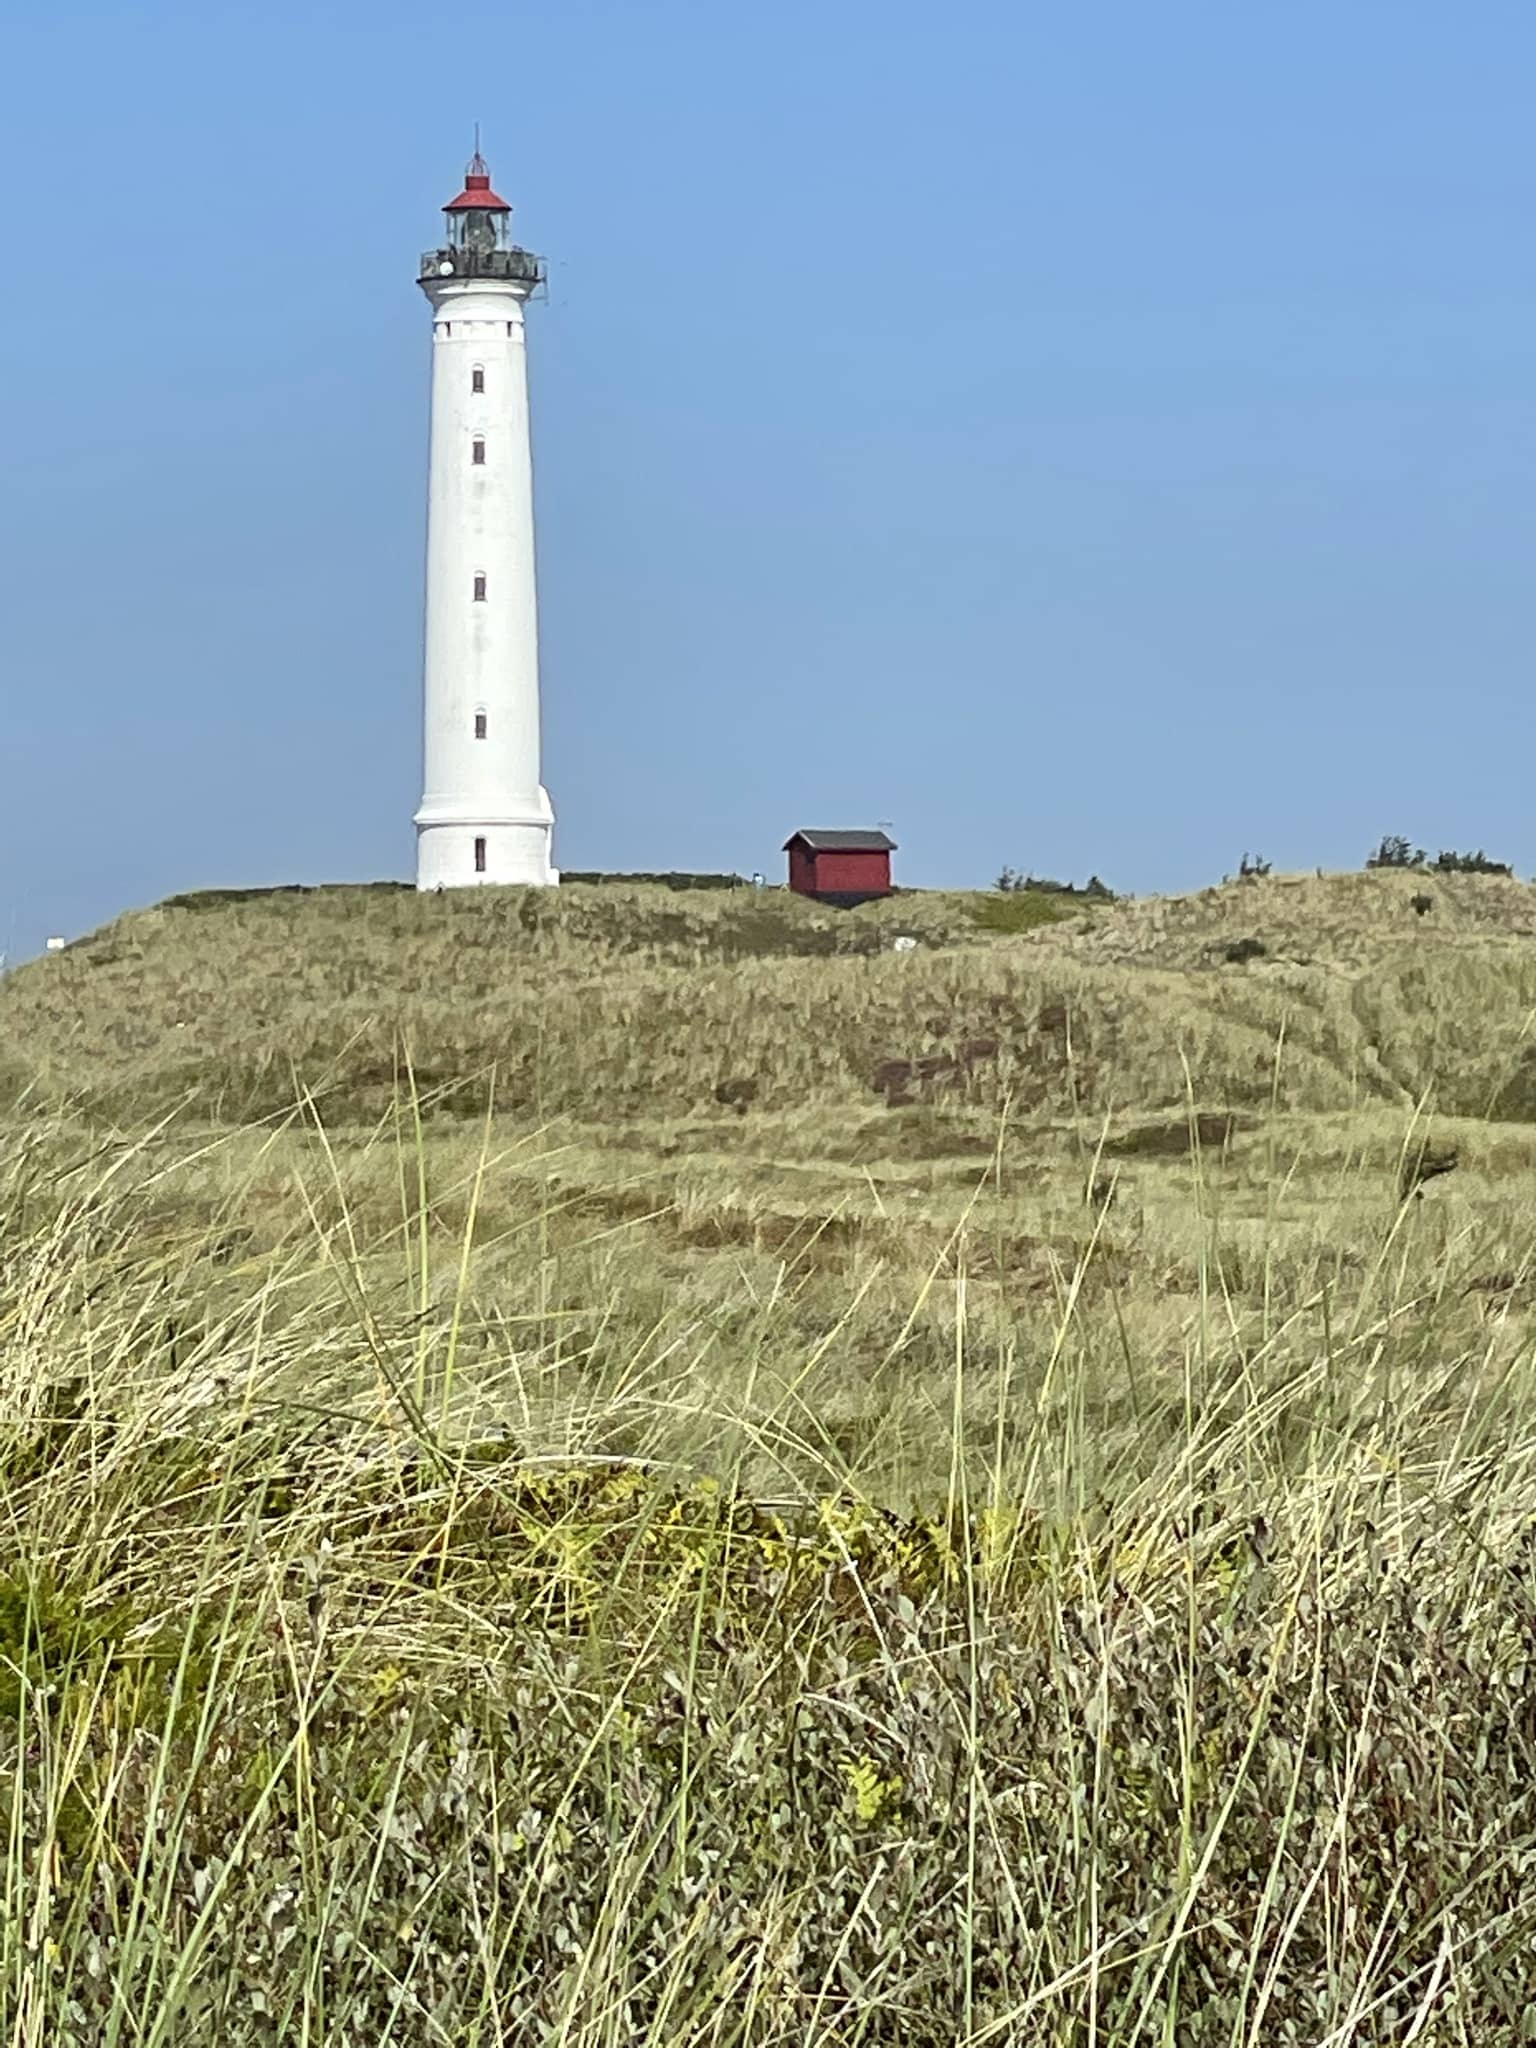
1397 852
1011 882
673 879
642 1466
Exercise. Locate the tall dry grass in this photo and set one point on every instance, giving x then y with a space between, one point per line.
377 1663
621 1005
1044 1561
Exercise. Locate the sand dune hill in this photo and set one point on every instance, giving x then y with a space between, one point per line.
1348 920
1303 992
616 1412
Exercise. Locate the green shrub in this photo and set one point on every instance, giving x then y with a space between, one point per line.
1470 864
674 879
1011 883
1396 852
1019 910
217 899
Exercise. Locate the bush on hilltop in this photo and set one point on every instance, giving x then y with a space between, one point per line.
1397 852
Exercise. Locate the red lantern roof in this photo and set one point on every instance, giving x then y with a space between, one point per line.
477 195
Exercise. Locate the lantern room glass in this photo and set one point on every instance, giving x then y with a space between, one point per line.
478 230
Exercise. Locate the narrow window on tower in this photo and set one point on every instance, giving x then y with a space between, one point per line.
479 590
477 379
477 451
509 326
479 856
479 725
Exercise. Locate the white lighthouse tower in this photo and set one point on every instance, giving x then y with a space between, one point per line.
485 816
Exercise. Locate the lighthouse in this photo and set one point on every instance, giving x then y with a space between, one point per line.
485 816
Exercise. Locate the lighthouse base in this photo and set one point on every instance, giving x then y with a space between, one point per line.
473 853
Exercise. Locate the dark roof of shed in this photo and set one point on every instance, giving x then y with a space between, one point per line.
842 842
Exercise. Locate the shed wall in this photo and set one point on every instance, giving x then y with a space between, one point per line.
845 872
802 870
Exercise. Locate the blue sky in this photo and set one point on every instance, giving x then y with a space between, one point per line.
1090 438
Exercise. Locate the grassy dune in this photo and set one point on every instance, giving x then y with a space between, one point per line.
628 1467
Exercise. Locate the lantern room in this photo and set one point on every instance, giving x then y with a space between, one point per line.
478 219
477 240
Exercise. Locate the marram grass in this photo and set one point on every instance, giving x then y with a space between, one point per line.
1050 1559
341 1705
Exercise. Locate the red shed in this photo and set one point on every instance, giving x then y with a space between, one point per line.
840 867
